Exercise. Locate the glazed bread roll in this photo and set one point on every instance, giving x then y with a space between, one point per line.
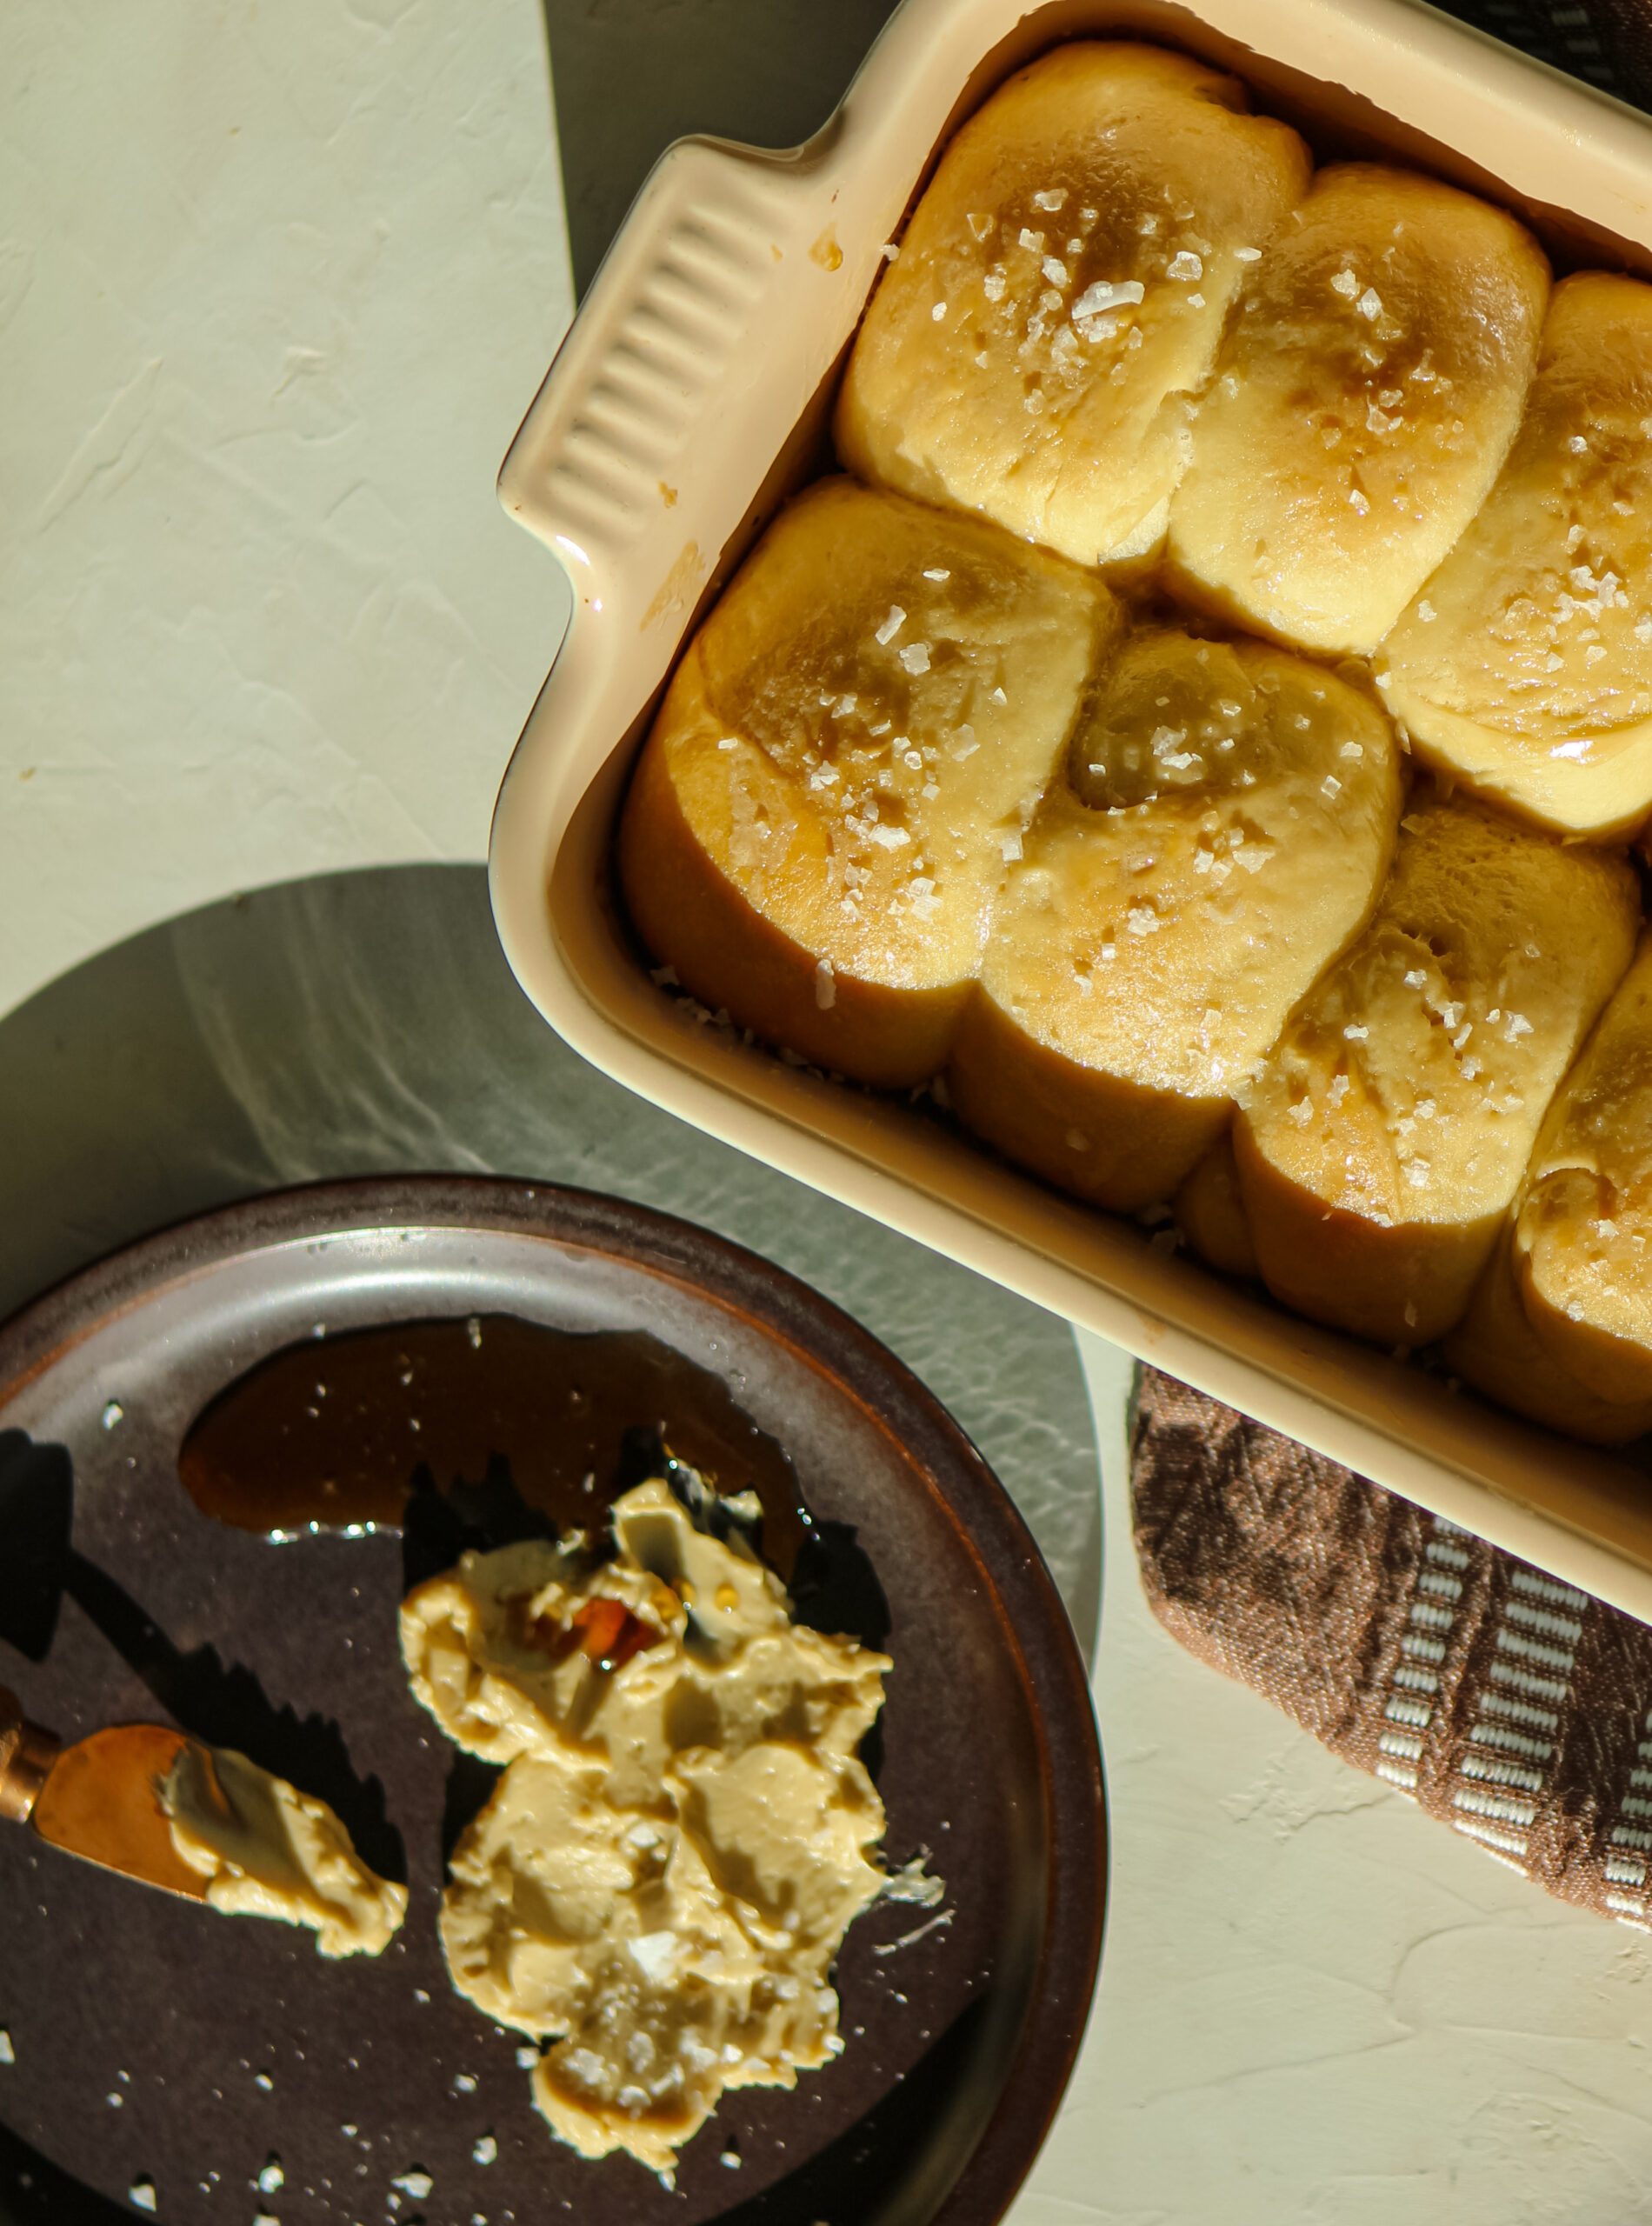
846 756
1524 667
1383 1141
1059 294
1210 1212
1222 828
1368 387
1580 1255
1496 1349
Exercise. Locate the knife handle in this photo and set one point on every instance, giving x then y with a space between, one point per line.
27 1754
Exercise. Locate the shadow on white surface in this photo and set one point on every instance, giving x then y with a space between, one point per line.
367 1022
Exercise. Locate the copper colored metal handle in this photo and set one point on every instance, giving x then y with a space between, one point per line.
27 1754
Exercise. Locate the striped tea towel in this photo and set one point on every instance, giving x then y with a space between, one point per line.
1512 1707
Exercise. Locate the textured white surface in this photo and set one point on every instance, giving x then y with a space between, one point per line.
276 282
1318 2006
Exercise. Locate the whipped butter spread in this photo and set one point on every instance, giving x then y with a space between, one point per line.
683 1834
266 1849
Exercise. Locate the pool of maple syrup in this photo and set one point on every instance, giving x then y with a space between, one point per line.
338 1433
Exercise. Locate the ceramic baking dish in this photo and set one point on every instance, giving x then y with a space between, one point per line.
689 397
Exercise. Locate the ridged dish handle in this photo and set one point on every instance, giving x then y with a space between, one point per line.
710 327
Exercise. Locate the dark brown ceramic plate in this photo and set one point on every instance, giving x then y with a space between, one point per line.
155 2041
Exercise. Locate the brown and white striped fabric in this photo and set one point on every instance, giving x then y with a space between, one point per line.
1510 1706
1607 43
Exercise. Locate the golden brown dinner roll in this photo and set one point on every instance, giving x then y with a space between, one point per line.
1059 294
1368 386
1209 1211
1496 1348
846 757
1582 1244
1381 1145
1524 666
1221 828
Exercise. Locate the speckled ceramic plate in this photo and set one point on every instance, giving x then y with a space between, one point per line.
154 2042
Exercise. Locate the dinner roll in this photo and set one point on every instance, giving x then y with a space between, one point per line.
1209 1211
1221 828
1383 1140
1496 1349
1582 1248
1524 667
1059 294
847 752
1368 386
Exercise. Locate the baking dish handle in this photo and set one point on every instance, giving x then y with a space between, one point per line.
712 324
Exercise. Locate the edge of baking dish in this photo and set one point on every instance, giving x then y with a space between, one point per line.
685 402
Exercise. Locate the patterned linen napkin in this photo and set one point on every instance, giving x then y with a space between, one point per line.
1512 1707
1607 43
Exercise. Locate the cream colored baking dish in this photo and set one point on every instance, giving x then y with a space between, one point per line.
688 399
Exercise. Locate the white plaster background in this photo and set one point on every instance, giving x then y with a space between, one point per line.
1318 2007
277 278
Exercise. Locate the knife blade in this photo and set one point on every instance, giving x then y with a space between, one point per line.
96 1799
